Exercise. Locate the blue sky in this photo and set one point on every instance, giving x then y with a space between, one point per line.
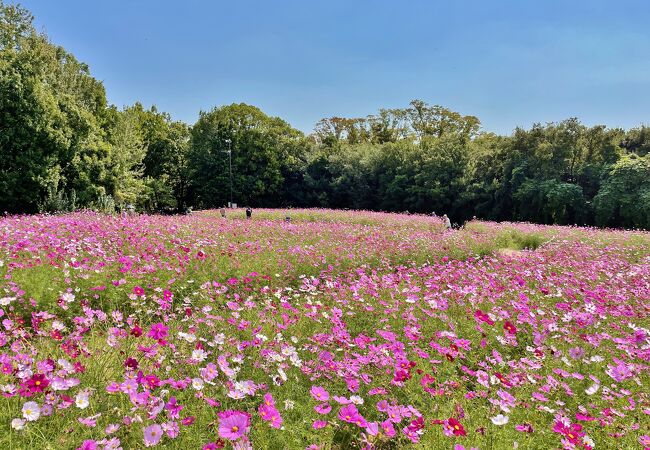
511 63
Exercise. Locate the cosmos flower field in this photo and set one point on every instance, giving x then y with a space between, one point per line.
337 330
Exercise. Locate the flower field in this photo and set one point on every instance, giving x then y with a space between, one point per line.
336 330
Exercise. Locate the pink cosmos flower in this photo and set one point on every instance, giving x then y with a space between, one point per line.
350 414
323 408
268 400
37 383
173 407
158 331
233 424
372 428
619 372
572 432
644 441
510 328
152 435
318 424
139 291
270 414
187 421
136 331
394 414
387 428
88 445
452 426
480 315
319 393
524 428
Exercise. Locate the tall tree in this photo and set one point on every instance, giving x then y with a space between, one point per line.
261 146
53 118
624 198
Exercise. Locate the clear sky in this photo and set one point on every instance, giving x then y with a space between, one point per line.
511 63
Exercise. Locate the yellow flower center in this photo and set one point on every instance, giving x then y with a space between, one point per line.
235 429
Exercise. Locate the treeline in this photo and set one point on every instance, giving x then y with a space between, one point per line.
63 147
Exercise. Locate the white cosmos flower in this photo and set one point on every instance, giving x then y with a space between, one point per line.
18 424
81 400
31 411
199 355
591 390
499 419
6 300
56 325
187 336
197 383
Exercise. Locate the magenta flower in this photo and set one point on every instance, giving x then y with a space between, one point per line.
88 445
323 408
350 414
319 393
158 331
139 291
233 424
510 328
37 383
173 407
187 421
524 428
387 428
268 400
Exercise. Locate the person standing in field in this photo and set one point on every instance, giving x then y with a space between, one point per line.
288 217
446 221
249 212
223 212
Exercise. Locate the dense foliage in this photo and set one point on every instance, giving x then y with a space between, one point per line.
64 147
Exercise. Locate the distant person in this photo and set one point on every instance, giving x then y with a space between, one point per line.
223 212
288 217
446 221
249 212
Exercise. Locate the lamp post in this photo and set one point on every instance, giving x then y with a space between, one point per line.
229 151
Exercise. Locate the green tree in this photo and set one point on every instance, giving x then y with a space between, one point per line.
53 121
624 197
261 147
637 140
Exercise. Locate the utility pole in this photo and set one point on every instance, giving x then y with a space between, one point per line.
229 151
